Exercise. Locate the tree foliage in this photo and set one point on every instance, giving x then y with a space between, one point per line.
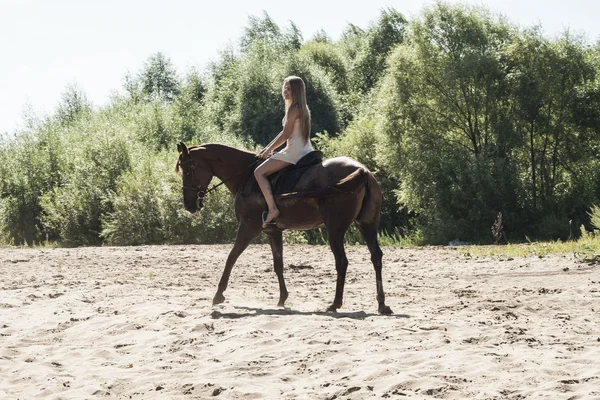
461 115
156 81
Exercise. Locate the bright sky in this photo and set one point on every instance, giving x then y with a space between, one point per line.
46 45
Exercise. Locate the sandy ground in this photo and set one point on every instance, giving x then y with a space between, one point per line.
138 322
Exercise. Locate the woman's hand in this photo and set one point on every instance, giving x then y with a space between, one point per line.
265 153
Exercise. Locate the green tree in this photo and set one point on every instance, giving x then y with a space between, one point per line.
552 81
444 106
156 81
369 49
267 32
188 107
327 56
244 97
74 104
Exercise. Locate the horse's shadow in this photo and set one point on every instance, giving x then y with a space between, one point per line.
255 312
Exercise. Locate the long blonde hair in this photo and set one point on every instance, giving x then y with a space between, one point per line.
298 90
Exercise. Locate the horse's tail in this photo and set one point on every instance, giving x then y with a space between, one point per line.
371 207
352 182
349 184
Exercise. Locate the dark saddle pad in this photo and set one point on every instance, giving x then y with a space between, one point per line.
284 180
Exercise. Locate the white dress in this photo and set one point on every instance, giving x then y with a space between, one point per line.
295 147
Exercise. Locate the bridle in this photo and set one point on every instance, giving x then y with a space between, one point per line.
201 193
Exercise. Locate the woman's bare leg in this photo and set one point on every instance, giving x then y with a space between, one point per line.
261 173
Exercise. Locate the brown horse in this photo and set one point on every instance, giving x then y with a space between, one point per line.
332 194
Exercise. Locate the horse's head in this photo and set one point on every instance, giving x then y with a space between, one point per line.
196 174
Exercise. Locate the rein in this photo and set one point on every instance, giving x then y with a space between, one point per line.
202 193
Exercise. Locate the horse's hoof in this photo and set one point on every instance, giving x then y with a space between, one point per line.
282 298
218 299
385 310
332 308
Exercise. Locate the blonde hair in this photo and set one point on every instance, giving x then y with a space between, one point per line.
298 90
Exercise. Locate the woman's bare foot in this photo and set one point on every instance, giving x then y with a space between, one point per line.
271 215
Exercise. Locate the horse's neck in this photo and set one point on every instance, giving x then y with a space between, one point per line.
230 165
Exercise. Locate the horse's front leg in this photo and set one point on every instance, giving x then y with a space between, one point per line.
244 236
276 240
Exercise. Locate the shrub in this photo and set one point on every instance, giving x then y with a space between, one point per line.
72 210
595 216
553 227
147 209
31 167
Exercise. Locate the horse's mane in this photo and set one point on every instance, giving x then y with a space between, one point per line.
207 146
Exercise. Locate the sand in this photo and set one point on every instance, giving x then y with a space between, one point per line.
138 322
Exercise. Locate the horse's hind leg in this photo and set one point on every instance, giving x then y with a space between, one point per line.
338 216
336 242
369 233
276 241
244 236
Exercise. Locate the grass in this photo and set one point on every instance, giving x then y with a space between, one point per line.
36 245
587 247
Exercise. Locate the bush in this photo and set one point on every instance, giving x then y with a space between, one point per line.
147 209
137 204
554 227
72 210
595 216
18 225
71 214
31 166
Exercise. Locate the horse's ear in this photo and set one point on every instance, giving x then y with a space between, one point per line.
179 147
184 149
